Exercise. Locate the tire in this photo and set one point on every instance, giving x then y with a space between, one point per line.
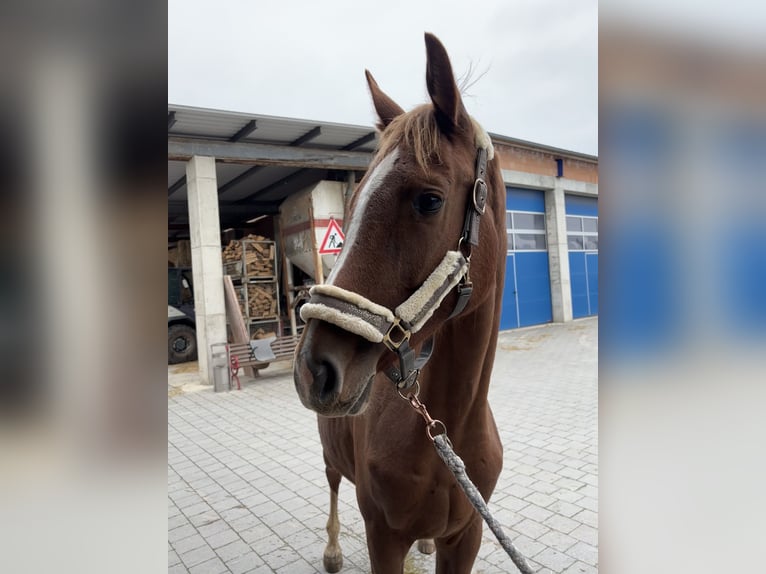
182 344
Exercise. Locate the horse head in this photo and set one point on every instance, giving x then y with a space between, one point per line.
407 213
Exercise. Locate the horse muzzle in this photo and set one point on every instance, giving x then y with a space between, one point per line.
332 378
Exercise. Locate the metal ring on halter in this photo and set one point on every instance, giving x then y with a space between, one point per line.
432 425
414 393
460 248
411 379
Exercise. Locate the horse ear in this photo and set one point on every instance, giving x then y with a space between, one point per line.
441 84
386 108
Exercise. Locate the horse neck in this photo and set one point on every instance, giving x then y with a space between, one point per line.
455 384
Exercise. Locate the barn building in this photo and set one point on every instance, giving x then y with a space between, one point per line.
229 174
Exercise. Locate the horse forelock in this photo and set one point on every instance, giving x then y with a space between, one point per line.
419 130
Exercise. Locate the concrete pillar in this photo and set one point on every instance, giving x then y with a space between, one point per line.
207 267
558 253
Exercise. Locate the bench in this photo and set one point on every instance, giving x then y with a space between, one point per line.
258 354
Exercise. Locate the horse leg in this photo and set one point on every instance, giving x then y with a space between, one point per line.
333 557
456 555
426 546
387 549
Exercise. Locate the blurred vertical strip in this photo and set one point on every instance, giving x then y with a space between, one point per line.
82 239
682 96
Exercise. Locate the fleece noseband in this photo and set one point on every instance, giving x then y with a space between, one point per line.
377 324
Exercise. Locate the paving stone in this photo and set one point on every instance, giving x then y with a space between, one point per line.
561 523
535 512
540 499
222 538
553 559
587 517
212 566
176 521
212 528
580 568
563 508
181 532
299 566
188 543
279 557
233 550
197 556
585 533
244 563
584 553
531 528
557 540
589 503
173 558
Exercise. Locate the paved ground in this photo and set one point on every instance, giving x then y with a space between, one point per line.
246 485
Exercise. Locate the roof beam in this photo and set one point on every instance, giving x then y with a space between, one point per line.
228 210
240 178
296 181
171 119
181 149
246 130
279 183
308 136
177 185
361 141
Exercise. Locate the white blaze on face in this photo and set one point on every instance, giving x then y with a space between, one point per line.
376 179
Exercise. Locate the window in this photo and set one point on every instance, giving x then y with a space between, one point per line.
575 242
529 241
529 221
574 223
526 231
582 233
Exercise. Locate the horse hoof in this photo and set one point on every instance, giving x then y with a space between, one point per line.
333 562
426 546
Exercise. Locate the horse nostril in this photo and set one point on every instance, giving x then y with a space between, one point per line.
325 380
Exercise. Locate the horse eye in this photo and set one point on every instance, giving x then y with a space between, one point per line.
428 203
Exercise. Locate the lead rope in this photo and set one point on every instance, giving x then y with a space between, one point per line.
455 464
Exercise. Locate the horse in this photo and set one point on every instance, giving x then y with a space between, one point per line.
421 271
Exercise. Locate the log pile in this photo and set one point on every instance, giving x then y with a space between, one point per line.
259 255
261 300
257 290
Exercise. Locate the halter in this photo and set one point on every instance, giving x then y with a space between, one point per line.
378 324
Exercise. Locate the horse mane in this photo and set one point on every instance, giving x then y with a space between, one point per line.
418 128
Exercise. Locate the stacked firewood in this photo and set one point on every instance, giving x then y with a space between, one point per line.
261 300
259 259
259 255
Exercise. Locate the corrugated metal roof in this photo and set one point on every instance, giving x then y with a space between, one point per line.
265 186
268 186
219 124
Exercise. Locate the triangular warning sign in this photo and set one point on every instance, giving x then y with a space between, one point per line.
333 239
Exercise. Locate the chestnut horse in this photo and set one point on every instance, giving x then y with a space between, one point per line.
412 207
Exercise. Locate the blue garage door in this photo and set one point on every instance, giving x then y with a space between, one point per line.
582 239
527 292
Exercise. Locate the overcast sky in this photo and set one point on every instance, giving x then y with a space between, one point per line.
535 61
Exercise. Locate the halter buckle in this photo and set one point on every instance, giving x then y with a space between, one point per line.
480 199
394 342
